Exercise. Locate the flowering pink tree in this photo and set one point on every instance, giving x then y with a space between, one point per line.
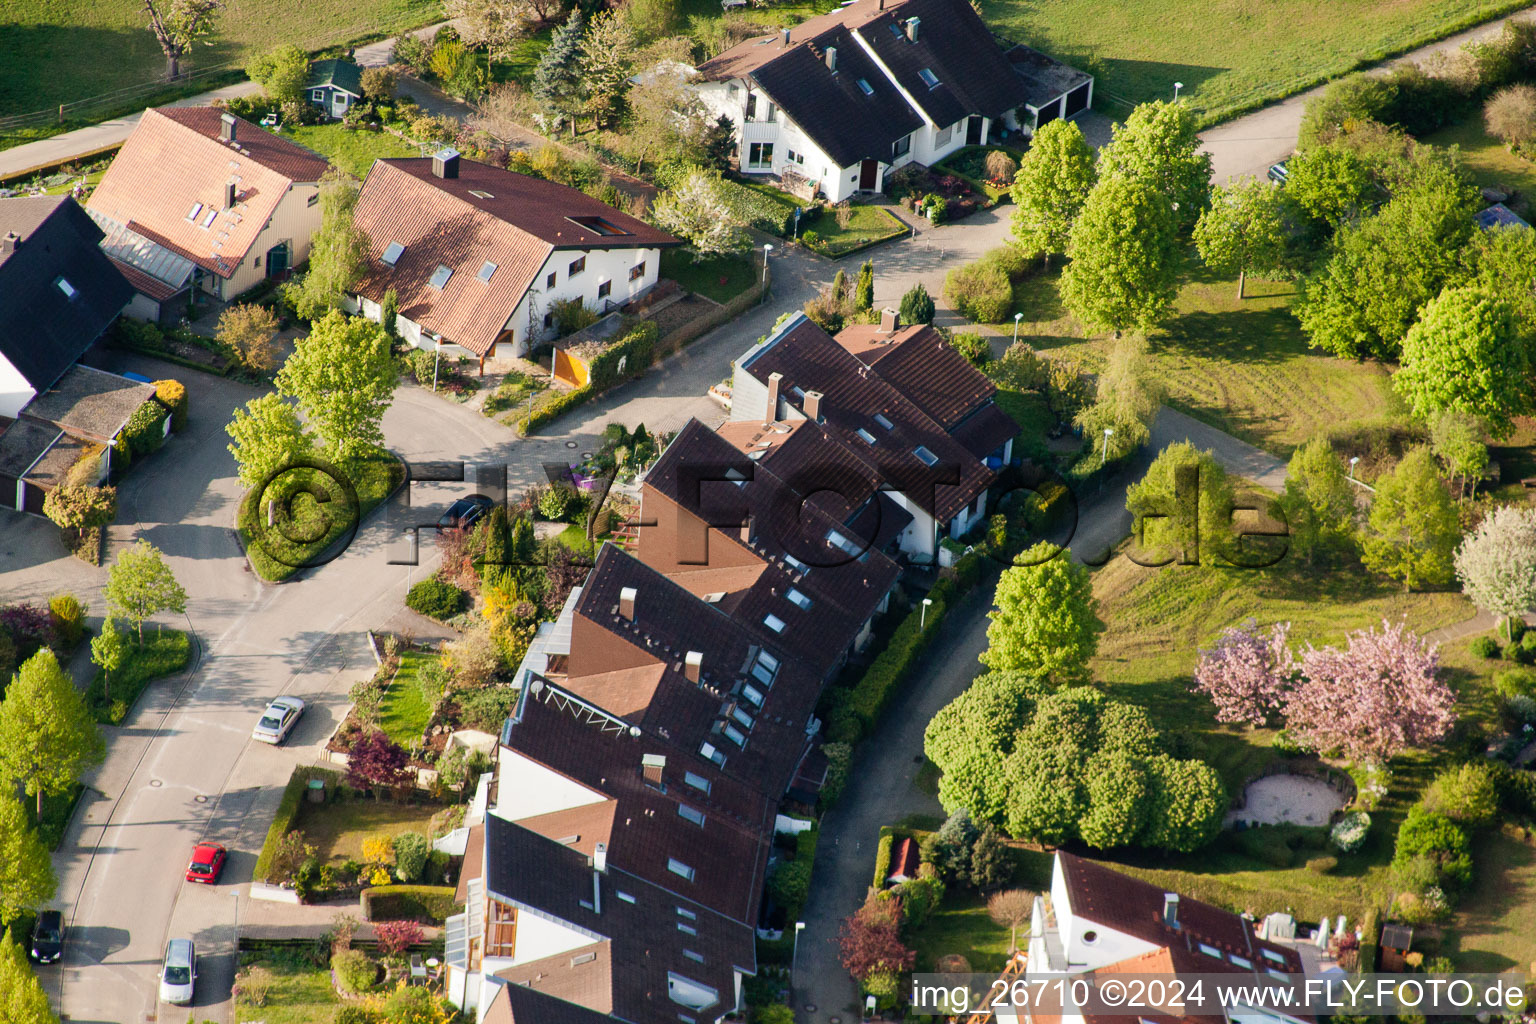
1247 674
1378 696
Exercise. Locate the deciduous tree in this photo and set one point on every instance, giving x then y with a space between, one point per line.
1380 695
282 72
178 25
47 735
1124 253
377 762
970 736
1159 146
140 585
1510 115
26 870
343 378
1467 354
495 25
1248 672
1184 505
338 256
870 939
251 330
1330 182
1318 502
1244 230
1496 563
1044 623
1456 439
608 55
1050 188
1187 804
267 435
1011 908
381 83
108 651
80 506
1413 525
698 210
22 999
1127 400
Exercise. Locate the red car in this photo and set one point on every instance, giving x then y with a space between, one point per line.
207 861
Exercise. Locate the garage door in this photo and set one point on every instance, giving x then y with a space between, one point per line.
1077 99
7 491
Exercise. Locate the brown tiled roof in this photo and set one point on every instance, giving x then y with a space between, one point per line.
985 430
143 283
853 394
917 362
521 1004
580 828
1099 893
474 862
583 976
440 221
174 158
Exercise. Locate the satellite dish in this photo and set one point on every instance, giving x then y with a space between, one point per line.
634 731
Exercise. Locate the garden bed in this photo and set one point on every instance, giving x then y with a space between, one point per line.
338 829
868 225
970 163
912 185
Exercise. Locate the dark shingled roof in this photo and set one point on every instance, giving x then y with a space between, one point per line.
43 331
341 74
848 125
520 1004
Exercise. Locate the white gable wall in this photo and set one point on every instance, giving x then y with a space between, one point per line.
528 788
539 937
15 392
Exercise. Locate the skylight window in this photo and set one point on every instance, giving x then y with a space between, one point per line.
798 565
392 253
799 599
439 277
866 88
600 225
1270 954
714 598
734 734
480 195
677 867
865 436
626 897
692 814
1241 961
709 751
895 29
698 782
741 716
1276 974
925 456
196 209
753 694
928 77
697 958
486 270
842 543
1210 951
210 216
684 912
773 622
686 929
64 286
881 419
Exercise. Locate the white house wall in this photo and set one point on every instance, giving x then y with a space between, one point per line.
538 937
611 265
528 788
15 392
294 221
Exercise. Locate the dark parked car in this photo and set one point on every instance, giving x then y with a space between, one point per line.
465 511
48 937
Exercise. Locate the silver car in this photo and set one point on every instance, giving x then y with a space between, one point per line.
178 976
278 720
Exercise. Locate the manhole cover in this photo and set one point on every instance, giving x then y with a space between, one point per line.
586 455
572 444
156 783
200 799
810 1007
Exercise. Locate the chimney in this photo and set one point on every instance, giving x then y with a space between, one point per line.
227 124
627 602
774 381
813 405
912 24
890 321
10 243
832 59
231 193
1171 909
693 664
599 862
651 768
445 163
785 38
747 530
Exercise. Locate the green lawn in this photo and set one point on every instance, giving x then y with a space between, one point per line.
301 993
1496 930
165 652
867 224
338 829
1489 160
57 51
720 278
315 513
1243 367
1231 55
352 151
404 712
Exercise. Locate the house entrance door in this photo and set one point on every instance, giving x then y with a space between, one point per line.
973 131
277 260
869 170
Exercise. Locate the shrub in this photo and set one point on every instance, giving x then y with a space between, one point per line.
357 1013
355 970
839 759
435 598
974 347
486 709
917 306
253 984
1001 167
1349 832
555 503
980 292
68 616
81 507
1431 835
282 822
1485 647
571 315
790 884
173 395
1465 794
890 667
395 937
811 238
143 431
411 852
430 904
1510 115
1515 682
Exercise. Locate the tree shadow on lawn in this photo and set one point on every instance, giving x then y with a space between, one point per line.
1261 336
1506 883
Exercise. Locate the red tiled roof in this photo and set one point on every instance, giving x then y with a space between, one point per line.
904 860
917 362
175 159
515 223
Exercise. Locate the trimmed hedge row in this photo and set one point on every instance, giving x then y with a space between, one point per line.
288 813
891 666
639 345
886 849
428 904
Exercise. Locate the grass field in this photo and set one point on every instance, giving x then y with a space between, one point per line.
1231 55
1497 929
404 712
338 830
1489 160
721 278
352 151
1243 367
301 993
57 51
866 224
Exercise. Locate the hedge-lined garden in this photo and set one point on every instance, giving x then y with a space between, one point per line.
635 348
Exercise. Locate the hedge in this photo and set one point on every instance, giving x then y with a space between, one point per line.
639 345
886 673
288 813
883 856
165 652
173 395
429 904
761 211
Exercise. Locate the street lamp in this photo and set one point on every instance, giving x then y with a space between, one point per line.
1352 462
922 616
437 350
767 248
794 953
1176 87
1016 318
1104 455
